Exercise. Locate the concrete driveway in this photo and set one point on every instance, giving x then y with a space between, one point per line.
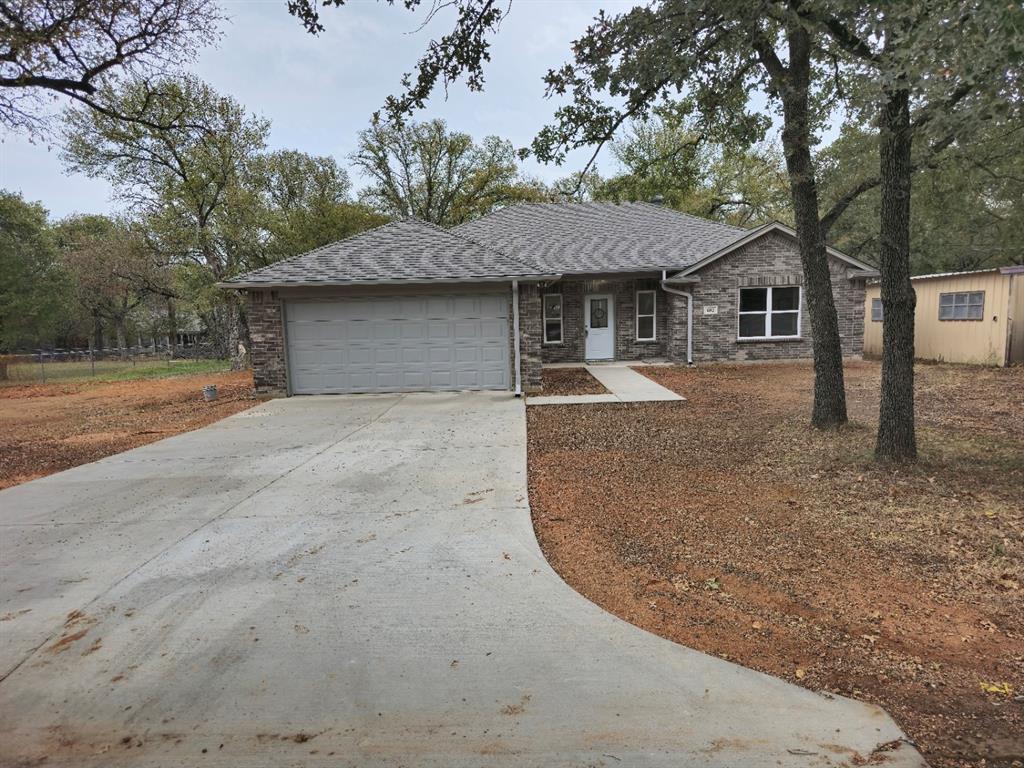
352 581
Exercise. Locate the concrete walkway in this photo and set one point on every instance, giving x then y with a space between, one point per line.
624 385
352 581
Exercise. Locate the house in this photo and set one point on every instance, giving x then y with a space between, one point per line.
410 306
961 317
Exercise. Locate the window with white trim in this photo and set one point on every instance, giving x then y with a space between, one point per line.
969 305
877 315
769 313
646 313
552 318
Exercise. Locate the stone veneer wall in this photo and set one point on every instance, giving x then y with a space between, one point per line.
771 260
266 332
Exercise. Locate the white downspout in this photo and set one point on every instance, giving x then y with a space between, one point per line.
515 339
689 314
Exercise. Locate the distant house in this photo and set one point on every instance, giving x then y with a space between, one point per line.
962 317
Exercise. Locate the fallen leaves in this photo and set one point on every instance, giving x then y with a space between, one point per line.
694 520
1001 689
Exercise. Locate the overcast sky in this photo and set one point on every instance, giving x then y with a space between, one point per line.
320 91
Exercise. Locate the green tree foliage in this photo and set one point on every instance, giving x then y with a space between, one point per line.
33 288
187 180
932 75
212 202
73 49
967 204
306 203
425 170
667 158
111 268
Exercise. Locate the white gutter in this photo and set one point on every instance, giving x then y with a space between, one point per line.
515 339
689 314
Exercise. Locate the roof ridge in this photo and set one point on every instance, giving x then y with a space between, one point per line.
512 257
687 215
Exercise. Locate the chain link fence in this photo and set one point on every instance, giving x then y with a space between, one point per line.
130 362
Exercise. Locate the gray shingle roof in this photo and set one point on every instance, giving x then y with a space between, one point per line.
571 238
408 250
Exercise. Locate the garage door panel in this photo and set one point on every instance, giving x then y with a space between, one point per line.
359 330
493 330
494 306
413 329
398 343
494 354
437 331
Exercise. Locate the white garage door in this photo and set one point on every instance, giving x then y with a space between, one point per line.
398 343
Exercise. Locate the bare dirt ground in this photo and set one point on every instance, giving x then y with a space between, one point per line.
570 381
51 427
725 523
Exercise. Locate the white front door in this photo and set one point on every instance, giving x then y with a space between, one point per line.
599 327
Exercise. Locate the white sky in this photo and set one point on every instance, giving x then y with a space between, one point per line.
320 91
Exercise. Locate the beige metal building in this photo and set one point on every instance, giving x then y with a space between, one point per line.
962 317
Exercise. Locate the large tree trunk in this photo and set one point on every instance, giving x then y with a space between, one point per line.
896 438
829 408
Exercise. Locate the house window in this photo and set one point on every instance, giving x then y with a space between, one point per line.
769 313
646 307
876 311
962 306
552 318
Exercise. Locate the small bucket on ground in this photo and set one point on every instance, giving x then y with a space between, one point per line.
210 392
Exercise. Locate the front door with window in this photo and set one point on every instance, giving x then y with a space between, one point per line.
599 327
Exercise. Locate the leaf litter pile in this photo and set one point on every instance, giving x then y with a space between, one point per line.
52 427
571 381
727 524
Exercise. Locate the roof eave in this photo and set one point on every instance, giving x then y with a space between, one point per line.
759 232
277 285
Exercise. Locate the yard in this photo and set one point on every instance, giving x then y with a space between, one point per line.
725 523
49 427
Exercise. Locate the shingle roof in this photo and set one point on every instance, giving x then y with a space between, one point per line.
601 237
408 250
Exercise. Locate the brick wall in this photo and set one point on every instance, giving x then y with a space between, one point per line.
771 260
266 331
530 336
572 349
676 317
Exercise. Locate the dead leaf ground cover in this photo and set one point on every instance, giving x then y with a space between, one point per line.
51 427
570 381
725 523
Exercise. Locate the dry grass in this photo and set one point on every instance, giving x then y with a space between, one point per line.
726 524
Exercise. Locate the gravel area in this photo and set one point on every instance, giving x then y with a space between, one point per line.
52 427
727 524
570 381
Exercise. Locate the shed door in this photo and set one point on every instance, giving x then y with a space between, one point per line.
405 343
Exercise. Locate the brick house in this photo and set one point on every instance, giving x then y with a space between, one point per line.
410 306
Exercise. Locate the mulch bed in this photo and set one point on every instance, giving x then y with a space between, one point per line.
52 427
727 524
570 381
